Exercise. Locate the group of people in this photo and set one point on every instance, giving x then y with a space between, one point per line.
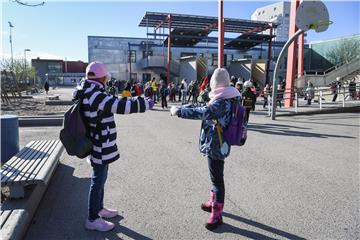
99 107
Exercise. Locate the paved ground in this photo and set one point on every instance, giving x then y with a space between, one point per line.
296 178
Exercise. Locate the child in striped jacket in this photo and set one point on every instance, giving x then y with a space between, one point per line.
99 108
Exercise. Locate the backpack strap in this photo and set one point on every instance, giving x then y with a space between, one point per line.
219 132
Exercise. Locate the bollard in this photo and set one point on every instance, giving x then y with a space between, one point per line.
9 136
321 99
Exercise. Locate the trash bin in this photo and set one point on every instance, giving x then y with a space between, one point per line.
9 136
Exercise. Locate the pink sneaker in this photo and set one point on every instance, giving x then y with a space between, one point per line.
108 213
99 224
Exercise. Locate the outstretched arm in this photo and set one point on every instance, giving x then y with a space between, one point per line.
121 105
213 111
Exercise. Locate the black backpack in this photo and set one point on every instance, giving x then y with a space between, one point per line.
75 133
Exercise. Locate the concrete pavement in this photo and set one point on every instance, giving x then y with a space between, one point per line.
296 178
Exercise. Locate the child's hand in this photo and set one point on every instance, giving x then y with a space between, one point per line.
174 110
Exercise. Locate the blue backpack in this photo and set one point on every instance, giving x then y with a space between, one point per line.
236 132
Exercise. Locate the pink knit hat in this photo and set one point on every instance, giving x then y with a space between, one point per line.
96 70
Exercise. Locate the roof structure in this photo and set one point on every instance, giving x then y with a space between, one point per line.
247 41
188 30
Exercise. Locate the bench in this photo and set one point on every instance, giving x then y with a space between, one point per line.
53 97
33 165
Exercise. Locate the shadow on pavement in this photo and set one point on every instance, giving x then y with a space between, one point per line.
63 210
250 234
279 129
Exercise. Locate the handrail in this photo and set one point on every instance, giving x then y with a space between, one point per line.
332 68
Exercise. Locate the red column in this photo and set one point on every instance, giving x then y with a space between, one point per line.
300 56
291 59
220 35
169 51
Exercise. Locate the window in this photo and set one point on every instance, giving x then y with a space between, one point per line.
214 61
132 56
133 77
286 15
146 77
274 8
263 11
187 54
148 53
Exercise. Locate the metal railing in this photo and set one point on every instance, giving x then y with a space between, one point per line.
344 93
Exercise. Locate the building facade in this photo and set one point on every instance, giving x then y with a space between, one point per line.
58 72
140 59
277 13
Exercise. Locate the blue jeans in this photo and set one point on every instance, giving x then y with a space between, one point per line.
96 193
216 169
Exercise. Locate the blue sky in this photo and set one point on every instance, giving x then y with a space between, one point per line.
59 29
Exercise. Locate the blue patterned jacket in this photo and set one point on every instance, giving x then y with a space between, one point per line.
209 141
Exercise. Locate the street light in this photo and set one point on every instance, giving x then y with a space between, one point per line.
26 50
12 58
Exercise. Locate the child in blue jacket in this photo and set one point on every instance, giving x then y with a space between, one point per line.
217 110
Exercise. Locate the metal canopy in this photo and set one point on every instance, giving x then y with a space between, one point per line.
187 37
247 41
156 20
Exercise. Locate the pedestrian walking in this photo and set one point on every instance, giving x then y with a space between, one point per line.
217 110
266 93
164 92
310 93
248 98
99 109
184 90
46 87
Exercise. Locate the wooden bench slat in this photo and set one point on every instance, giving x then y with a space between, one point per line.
4 217
23 160
17 158
49 166
32 170
40 154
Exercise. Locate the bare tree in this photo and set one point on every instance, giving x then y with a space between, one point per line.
344 51
18 67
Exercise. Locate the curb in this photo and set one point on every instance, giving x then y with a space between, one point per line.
354 109
24 211
38 122
59 102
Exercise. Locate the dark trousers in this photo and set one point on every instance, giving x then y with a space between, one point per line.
163 102
179 95
309 101
216 169
334 98
265 102
96 193
155 96
247 114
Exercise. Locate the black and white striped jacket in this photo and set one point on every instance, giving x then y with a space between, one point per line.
96 102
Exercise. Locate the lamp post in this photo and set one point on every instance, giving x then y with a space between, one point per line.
26 77
26 50
12 58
